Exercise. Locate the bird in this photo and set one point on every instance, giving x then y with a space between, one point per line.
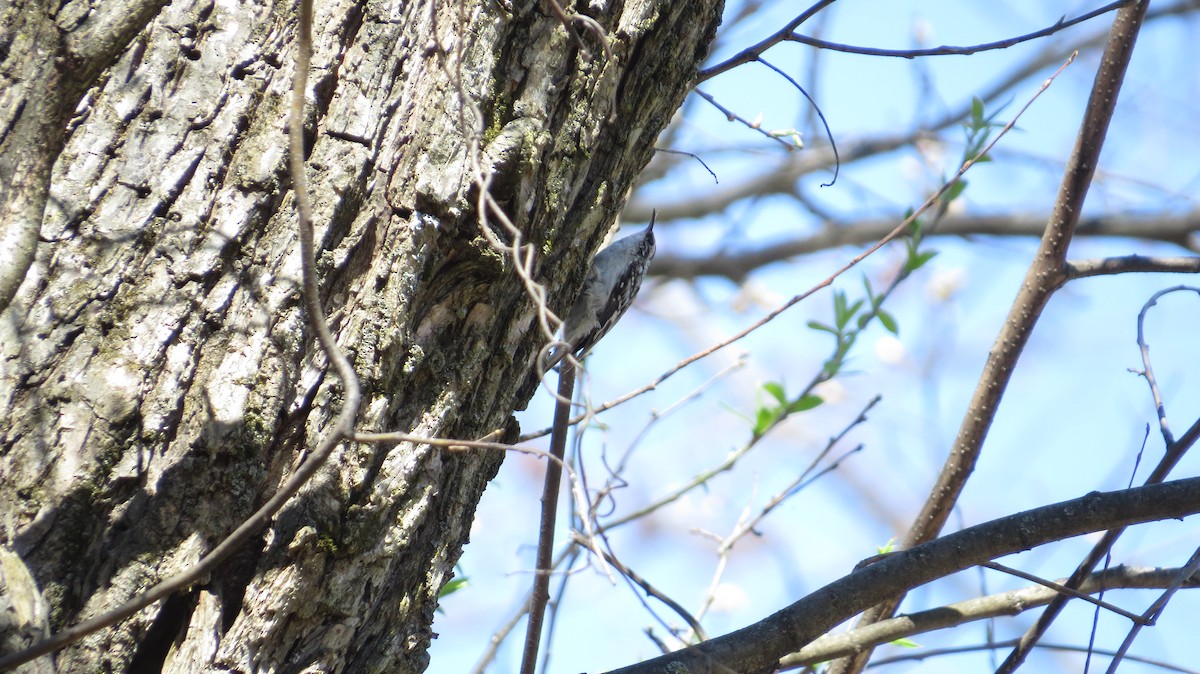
612 284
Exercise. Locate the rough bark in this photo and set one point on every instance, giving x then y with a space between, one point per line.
157 376
50 53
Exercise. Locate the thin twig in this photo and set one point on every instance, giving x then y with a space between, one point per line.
1156 609
753 52
1170 458
657 416
652 591
747 523
458 444
947 50
781 178
541 580
926 653
753 126
809 475
499 636
553 607
1063 589
1010 603
837 161
1148 369
693 156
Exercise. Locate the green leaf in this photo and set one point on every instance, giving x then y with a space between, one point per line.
906 643
776 391
805 403
867 286
917 261
454 585
764 419
839 303
884 549
843 314
977 119
955 190
814 325
888 321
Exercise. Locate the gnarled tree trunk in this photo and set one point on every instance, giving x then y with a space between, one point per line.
158 378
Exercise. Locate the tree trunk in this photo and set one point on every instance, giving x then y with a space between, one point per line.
158 378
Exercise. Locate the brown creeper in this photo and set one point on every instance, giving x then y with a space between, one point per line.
614 280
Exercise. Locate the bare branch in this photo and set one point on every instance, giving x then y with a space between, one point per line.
502 633
1156 609
927 653
694 156
1148 369
760 646
752 53
653 592
1170 458
1132 263
737 264
1009 603
948 50
754 126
